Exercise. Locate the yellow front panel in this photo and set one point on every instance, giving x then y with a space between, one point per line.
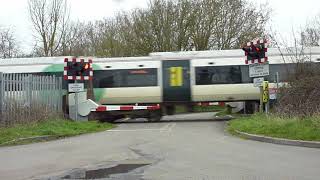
176 76
179 76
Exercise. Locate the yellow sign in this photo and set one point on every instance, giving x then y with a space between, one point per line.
265 87
176 76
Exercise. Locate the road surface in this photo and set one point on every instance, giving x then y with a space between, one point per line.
170 150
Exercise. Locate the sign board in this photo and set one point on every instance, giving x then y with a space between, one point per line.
273 93
257 82
76 87
258 70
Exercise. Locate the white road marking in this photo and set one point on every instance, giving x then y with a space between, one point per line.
165 128
171 126
132 130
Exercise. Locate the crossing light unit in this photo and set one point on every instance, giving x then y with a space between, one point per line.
78 69
265 88
256 51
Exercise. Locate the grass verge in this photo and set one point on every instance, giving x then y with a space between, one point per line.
307 129
50 129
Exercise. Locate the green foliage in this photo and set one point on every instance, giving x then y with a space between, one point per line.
280 127
56 128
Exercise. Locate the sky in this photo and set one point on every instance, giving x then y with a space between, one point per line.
286 14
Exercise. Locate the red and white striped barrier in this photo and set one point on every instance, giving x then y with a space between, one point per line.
211 104
102 108
87 106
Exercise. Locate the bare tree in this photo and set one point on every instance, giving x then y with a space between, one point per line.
8 44
226 24
170 25
49 19
300 97
310 36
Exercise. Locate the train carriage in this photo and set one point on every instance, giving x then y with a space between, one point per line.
170 78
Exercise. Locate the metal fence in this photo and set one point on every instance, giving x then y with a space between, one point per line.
27 98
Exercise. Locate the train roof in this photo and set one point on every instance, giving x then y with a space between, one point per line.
236 53
182 55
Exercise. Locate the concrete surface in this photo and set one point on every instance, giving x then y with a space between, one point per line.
195 150
289 142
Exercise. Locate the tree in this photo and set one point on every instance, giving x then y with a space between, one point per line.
226 24
310 36
170 25
179 25
299 96
50 21
8 44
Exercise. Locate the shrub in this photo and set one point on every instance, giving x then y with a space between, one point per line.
302 95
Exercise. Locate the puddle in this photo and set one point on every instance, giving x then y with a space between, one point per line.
105 172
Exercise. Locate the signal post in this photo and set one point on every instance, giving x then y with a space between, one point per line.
77 70
256 58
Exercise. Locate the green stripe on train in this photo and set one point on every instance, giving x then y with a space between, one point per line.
98 94
60 67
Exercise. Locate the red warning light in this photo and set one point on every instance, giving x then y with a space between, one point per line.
86 66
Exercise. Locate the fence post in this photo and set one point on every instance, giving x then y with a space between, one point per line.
1 96
29 93
60 95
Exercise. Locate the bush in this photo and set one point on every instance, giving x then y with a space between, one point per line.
302 95
17 113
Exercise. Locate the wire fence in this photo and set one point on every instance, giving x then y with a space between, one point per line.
27 98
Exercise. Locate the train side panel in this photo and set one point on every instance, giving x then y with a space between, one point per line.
225 92
129 95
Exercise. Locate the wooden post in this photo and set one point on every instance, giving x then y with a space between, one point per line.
261 100
90 92
1 96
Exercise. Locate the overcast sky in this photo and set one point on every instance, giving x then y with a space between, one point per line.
13 13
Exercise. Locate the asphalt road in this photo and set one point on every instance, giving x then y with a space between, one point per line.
171 150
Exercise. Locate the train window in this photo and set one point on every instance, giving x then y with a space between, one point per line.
218 75
245 74
126 78
284 71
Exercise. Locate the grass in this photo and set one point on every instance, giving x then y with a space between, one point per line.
307 129
53 128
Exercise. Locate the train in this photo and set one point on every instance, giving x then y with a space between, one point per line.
172 78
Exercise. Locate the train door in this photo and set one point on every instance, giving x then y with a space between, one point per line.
176 81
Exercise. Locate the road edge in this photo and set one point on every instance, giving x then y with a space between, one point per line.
281 141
